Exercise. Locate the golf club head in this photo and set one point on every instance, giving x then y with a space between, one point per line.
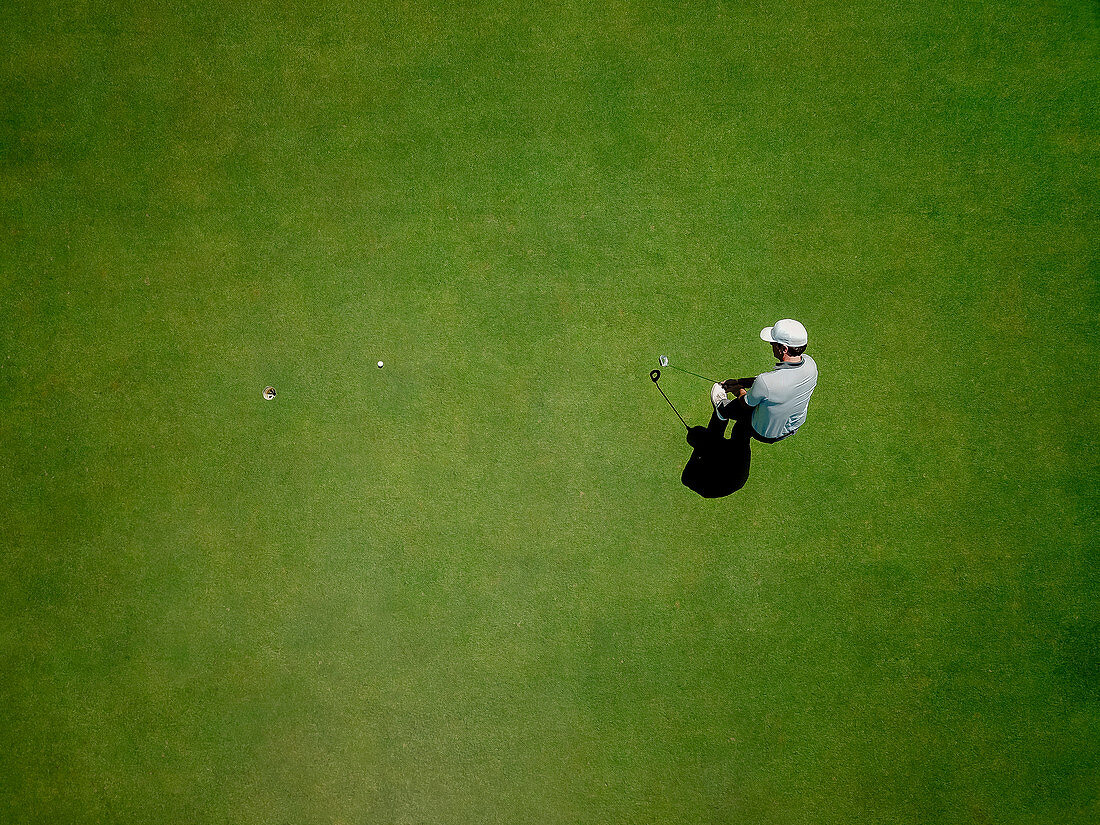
662 360
655 375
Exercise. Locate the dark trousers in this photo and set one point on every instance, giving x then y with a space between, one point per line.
742 422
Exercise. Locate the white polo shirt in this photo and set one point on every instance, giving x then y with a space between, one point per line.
781 397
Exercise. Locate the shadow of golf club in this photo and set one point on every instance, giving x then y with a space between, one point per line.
718 466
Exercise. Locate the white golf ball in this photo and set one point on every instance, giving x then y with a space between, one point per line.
379 365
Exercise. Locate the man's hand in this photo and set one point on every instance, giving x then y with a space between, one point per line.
734 388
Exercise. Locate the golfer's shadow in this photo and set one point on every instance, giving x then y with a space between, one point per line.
718 465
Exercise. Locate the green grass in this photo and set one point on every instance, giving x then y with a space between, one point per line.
470 587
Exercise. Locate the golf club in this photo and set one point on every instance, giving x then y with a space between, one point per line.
655 375
663 361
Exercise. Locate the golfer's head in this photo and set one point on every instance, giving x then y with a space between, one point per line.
786 337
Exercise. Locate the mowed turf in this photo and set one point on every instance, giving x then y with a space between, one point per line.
470 587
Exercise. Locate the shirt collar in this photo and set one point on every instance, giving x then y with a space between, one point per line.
790 365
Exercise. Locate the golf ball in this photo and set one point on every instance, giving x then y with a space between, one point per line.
379 365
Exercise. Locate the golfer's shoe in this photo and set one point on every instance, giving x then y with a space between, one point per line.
717 396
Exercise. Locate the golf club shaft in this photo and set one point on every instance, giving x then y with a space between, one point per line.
662 392
697 375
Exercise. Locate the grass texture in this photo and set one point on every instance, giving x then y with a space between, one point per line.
470 587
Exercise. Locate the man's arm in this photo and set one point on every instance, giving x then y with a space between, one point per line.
734 407
731 384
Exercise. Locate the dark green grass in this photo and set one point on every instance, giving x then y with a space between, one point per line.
470 587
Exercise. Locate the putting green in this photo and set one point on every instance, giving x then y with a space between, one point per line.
470 586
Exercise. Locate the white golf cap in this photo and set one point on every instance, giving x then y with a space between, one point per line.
787 332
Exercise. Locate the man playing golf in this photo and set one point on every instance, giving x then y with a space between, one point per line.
772 405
